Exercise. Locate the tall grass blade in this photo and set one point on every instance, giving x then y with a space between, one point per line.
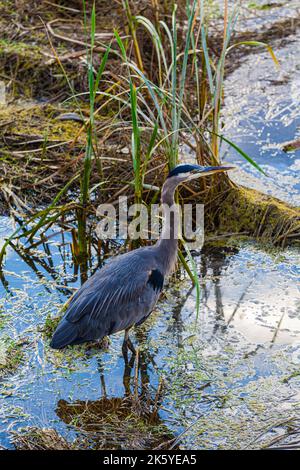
258 44
185 60
121 45
157 43
207 61
173 160
195 279
136 145
242 153
43 214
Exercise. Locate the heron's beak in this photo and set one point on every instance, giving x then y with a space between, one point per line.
209 170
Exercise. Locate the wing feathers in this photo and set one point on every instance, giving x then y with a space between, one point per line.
115 297
156 280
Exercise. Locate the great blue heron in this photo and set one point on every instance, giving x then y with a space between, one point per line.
124 292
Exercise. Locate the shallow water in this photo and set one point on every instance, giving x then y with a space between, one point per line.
262 112
231 361
257 16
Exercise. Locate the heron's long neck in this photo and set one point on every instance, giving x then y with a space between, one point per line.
168 241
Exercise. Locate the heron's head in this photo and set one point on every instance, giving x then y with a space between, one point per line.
187 172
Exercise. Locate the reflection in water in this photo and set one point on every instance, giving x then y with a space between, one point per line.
251 292
124 422
217 260
50 256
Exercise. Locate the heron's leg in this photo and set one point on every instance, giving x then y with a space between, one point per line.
102 379
127 344
125 347
131 347
127 375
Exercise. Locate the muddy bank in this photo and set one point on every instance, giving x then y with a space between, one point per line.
253 213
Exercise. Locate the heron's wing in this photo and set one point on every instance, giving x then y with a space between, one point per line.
115 286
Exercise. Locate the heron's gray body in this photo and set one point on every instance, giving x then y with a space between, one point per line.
120 295
124 292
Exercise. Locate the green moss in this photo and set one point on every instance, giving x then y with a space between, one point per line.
11 355
27 68
234 405
39 121
2 320
29 51
266 6
253 213
294 374
50 325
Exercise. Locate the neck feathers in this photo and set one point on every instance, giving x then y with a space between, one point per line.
167 192
168 241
